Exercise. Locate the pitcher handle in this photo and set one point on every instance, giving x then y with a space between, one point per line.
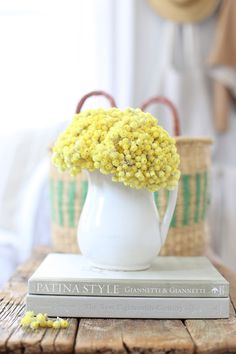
165 224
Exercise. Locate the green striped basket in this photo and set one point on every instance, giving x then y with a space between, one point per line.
188 234
67 195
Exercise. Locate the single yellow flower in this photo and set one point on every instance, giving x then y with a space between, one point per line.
34 325
56 324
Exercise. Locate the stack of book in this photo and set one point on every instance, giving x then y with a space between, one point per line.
174 287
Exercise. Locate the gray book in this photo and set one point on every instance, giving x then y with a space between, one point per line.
126 307
69 274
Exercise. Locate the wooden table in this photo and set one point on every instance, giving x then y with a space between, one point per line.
111 335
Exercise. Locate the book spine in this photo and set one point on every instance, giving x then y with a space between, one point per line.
121 307
134 289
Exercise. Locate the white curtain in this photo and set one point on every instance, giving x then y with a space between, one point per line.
128 37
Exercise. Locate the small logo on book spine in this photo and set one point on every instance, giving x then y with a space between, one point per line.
218 291
214 291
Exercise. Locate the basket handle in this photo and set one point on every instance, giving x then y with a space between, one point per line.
95 93
166 102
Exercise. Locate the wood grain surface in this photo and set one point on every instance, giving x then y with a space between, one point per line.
111 335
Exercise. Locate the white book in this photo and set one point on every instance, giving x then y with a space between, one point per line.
71 275
126 307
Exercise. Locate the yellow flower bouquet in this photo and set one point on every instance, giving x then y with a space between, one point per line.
128 144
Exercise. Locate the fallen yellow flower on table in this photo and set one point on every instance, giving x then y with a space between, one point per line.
41 320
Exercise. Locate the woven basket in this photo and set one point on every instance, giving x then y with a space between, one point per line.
67 199
188 233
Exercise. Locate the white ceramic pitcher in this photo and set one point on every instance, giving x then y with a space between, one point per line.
119 227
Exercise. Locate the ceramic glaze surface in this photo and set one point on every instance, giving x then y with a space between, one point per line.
119 226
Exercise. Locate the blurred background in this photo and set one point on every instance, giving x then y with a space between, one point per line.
53 52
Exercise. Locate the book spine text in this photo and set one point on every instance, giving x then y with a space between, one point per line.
128 289
121 307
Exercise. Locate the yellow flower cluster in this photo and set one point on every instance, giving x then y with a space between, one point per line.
129 145
36 321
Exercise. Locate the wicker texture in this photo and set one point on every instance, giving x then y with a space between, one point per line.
188 234
67 198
